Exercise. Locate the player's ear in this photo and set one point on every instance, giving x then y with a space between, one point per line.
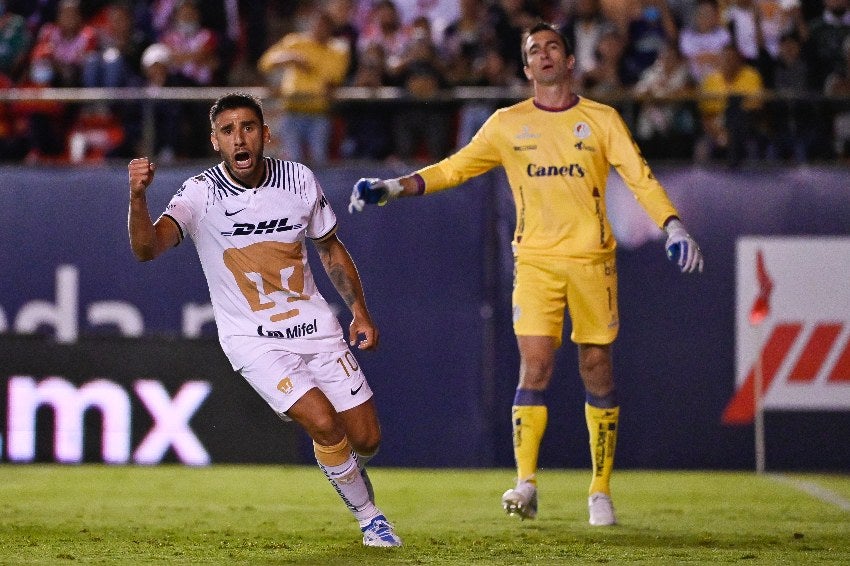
267 134
213 141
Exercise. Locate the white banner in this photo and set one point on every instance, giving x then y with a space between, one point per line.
793 309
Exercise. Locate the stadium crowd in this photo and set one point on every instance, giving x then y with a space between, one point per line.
706 80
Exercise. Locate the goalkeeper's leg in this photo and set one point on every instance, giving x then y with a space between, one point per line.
529 417
602 414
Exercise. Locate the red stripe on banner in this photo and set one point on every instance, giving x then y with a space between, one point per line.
817 348
741 409
841 372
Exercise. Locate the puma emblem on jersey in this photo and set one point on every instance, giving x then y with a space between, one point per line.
264 227
297 331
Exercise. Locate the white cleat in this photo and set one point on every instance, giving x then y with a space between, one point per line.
521 500
601 510
379 532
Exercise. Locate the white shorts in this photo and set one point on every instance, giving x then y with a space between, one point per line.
282 377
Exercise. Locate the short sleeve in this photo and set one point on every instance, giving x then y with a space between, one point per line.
186 205
322 217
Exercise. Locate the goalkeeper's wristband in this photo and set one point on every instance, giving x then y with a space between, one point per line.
394 188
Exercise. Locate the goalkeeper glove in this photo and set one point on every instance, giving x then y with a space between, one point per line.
682 248
373 191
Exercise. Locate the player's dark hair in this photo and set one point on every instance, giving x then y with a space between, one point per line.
236 100
544 26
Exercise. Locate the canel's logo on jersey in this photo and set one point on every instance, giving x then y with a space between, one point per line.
792 326
571 170
264 227
581 130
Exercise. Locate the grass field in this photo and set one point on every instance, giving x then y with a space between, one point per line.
290 515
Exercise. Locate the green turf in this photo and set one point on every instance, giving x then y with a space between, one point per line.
290 515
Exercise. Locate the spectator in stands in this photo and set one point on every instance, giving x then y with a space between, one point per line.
440 13
369 126
117 60
221 19
796 120
116 63
837 85
758 25
584 28
488 70
66 43
35 12
194 49
465 40
703 43
827 33
341 13
310 65
45 122
166 118
647 33
731 100
13 135
384 28
605 79
15 41
665 127
424 119
194 58
509 19
683 12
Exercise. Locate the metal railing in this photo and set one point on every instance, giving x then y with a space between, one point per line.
346 98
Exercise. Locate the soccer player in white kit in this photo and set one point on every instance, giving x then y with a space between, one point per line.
249 217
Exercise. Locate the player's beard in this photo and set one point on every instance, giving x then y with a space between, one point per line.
250 175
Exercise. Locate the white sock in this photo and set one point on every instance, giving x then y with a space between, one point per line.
349 484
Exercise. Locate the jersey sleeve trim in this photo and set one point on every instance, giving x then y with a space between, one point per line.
179 229
327 234
420 184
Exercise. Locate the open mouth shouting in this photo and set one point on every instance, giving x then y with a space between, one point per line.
242 160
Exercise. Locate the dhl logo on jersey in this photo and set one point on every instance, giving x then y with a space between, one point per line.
264 227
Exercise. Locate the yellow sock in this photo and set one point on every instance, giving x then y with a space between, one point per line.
602 427
529 424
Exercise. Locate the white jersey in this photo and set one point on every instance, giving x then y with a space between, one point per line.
252 247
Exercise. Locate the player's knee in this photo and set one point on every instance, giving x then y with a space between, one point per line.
596 369
325 429
367 444
536 372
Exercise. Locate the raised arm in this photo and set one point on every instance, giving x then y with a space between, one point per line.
345 278
148 240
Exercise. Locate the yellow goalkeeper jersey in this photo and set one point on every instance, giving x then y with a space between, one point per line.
557 163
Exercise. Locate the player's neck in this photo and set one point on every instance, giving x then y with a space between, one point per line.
554 97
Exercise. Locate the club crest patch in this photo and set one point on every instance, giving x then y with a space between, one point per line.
285 386
581 130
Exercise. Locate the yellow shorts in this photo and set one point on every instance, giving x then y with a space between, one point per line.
544 288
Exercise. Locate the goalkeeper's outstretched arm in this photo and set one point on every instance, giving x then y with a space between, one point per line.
381 191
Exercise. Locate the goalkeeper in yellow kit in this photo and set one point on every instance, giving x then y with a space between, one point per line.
557 149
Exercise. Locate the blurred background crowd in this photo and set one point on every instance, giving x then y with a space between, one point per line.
702 80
